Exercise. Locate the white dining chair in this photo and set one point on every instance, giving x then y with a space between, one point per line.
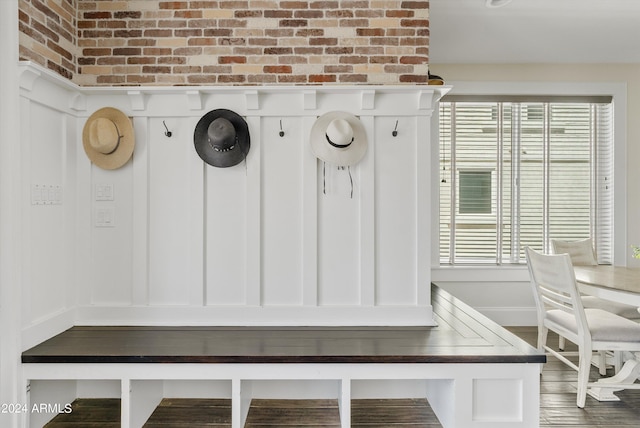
582 254
559 308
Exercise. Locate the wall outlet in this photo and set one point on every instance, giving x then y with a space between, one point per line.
105 217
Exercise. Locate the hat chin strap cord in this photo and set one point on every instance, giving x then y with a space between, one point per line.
324 185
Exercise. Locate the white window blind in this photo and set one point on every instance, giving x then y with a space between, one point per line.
549 164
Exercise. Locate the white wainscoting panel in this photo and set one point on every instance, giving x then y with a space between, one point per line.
282 214
280 239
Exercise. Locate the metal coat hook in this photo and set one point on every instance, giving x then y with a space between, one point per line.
167 133
395 130
281 133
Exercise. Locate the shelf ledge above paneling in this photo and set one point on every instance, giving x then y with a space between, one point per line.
294 100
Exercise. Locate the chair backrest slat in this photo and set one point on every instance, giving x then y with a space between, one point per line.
581 252
554 286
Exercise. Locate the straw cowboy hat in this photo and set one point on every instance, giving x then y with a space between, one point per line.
108 138
221 138
338 138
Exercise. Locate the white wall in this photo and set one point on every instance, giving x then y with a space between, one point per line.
503 293
261 243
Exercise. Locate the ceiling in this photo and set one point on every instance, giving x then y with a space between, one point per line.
534 31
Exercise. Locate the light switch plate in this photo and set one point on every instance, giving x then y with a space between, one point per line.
104 192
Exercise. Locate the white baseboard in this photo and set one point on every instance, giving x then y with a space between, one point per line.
47 327
257 316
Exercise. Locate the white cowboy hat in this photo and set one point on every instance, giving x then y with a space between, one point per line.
221 138
338 138
108 138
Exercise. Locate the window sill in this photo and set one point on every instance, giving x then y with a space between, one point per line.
512 273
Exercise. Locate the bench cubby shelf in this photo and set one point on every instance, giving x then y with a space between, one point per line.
472 372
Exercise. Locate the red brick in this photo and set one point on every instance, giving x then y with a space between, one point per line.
413 60
277 69
414 5
95 15
248 14
323 41
232 60
370 32
174 5
292 79
414 22
339 13
261 78
338 68
127 51
188 14
158 33
388 59
354 78
263 41
413 78
322 78
134 78
217 32
339 50
96 51
192 32
112 60
310 32
156 69
202 41
139 60
232 41
278 51
278 13
130 14
293 23
406 13
127 33
354 59
414 41
231 78
308 14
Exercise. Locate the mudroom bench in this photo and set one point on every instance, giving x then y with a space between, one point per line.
473 372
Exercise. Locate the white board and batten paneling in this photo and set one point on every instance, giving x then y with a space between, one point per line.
275 240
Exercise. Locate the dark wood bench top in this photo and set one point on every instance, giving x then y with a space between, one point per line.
462 336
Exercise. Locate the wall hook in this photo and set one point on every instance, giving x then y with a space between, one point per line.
167 133
281 133
395 130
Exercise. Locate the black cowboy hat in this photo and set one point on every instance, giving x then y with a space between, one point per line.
221 138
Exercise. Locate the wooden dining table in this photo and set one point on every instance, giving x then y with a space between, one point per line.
618 284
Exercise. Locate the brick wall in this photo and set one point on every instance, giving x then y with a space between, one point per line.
48 34
249 42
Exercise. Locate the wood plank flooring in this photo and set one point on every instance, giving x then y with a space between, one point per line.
557 407
558 395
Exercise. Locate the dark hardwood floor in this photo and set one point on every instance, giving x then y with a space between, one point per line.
558 397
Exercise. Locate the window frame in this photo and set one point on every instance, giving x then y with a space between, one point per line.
617 91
